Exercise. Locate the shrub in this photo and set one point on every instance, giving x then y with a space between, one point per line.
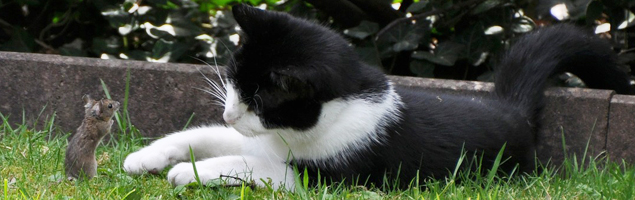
426 38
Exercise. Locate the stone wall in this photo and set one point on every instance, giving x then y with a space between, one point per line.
164 96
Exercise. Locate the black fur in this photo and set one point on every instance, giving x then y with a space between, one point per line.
295 66
288 67
537 56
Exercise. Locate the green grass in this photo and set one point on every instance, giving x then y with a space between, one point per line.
31 167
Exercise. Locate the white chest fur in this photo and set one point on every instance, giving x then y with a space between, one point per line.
345 126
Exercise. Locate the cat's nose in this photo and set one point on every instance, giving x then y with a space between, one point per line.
231 117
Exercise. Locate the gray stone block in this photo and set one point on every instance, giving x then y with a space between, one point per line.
442 85
162 96
621 136
575 117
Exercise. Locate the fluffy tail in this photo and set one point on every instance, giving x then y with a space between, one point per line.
537 56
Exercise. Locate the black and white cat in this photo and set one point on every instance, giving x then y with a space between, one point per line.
296 95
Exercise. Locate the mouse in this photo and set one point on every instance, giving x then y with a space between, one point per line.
80 162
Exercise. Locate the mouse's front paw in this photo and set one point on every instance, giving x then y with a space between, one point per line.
147 160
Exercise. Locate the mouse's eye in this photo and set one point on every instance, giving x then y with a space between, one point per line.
110 105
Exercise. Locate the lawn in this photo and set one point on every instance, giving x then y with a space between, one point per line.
31 167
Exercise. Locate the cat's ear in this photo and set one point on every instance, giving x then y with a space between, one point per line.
249 18
292 84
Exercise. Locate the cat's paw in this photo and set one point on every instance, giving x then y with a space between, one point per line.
183 174
147 160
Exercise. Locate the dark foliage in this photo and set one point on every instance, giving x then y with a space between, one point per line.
456 39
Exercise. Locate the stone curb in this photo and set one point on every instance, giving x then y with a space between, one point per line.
164 96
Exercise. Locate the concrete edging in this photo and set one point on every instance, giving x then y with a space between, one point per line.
164 96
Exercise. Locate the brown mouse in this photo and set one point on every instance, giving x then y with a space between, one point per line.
80 159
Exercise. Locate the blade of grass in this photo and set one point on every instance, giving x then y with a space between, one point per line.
189 120
298 188
128 194
23 117
193 160
305 179
492 173
25 194
5 126
588 143
50 124
242 190
126 98
6 188
37 119
459 163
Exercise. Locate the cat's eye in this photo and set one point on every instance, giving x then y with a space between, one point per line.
110 105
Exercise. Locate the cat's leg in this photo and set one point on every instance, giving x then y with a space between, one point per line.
234 169
206 142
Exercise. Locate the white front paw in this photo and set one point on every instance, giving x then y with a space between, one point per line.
147 160
183 173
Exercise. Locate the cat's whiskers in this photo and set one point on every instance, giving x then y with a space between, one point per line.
231 55
220 94
217 90
217 70
256 102
219 102
214 88
257 95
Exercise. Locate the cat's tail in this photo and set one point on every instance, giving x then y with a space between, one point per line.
537 56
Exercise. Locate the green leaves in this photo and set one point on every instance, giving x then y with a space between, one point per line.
422 68
368 53
486 6
445 53
109 45
164 51
115 15
417 7
477 44
402 37
20 41
523 24
362 31
450 38
594 11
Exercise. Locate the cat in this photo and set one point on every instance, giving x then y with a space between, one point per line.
297 97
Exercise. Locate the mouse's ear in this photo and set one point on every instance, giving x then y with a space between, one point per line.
88 102
86 98
95 110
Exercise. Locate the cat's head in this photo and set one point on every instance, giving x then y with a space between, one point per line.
286 69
